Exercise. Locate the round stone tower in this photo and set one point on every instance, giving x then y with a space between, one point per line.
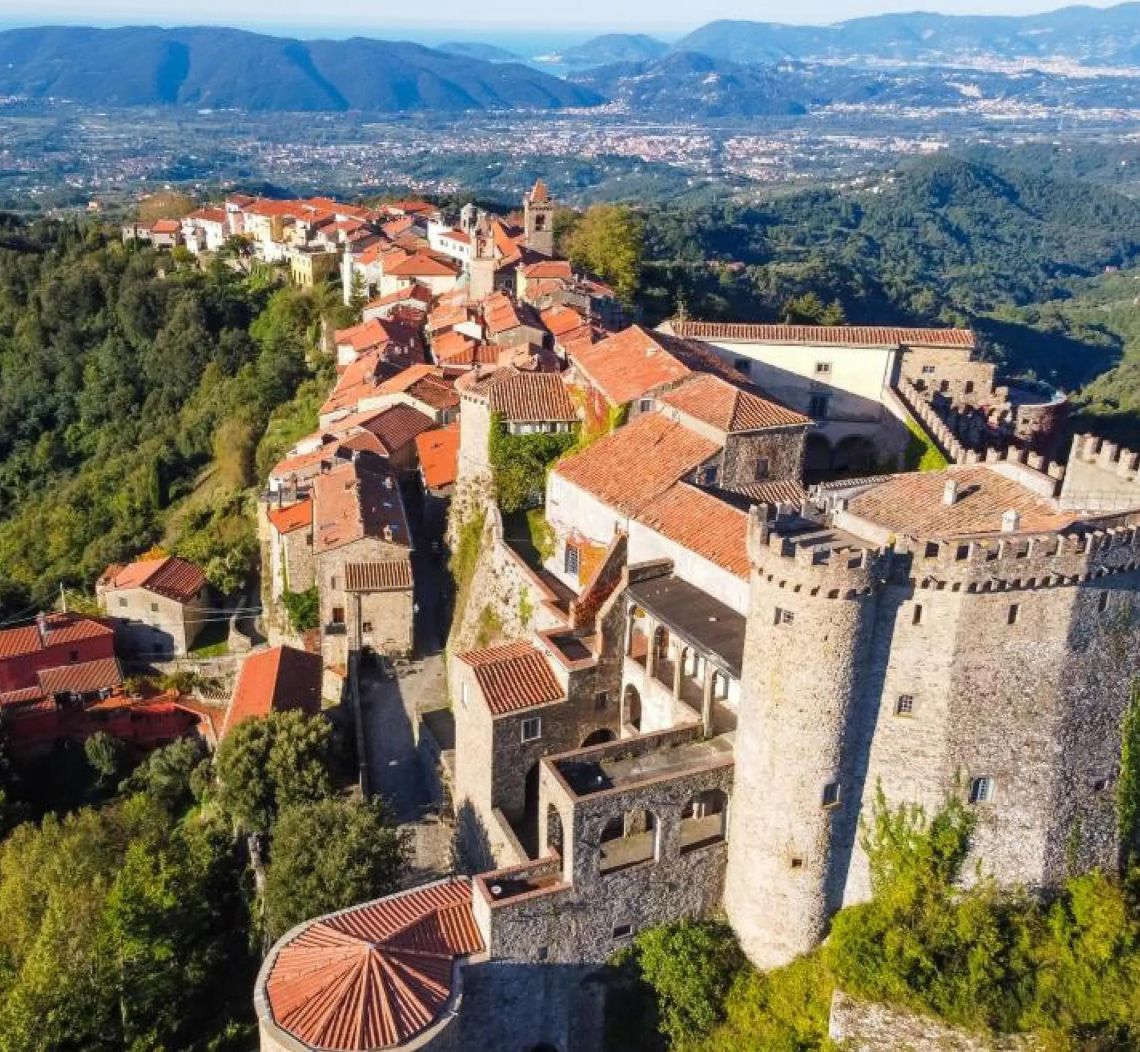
800 739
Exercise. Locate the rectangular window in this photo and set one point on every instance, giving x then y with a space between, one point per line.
333 582
822 368
366 627
571 561
75 655
981 790
532 729
784 617
831 794
944 386
916 618
1014 614
338 615
154 608
122 602
817 406
602 699
645 404
905 705
969 387
623 931
932 549
928 370
763 468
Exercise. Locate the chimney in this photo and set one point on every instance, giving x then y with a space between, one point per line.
41 624
1010 521
950 493
763 514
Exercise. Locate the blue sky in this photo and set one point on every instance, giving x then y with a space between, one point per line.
380 18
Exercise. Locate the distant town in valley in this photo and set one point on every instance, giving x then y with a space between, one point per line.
634 548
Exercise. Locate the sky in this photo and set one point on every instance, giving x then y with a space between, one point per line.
582 17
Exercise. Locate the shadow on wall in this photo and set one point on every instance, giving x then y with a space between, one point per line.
471 845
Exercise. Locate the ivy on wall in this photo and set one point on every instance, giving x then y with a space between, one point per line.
520 462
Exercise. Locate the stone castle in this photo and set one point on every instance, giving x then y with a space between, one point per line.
724 651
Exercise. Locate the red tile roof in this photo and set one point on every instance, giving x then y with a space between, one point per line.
500 314
351 502
525 397
426 384
275 680
376 975
415 293
439 456
718 403
84 677
913 504
547 268
513 677
628 365
421 265
385 575
363 337
292 517
701 523
561 319
637 463
165 226
167 576
394 426
59 629
831 335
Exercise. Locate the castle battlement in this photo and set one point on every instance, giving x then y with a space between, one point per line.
801 554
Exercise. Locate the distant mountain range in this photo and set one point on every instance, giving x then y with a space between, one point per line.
1092 36
231 69
479 50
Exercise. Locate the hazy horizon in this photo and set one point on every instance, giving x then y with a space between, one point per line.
499 21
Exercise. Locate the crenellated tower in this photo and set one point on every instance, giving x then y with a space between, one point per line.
801 736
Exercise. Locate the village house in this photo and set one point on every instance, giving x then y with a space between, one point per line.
362 547
205 230
291 564
160 606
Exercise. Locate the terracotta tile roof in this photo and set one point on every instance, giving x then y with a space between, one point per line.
167 576
353 501
395 426
525 397
500 314
774 491
637 463
208 215
454 347
513 677
560 319
628 365
275 680
425 383
384 575
912 504
830 335
84 677
547 268
414 293
700 522
297 516
59 629
421 265
373 976
165 226
27 699
447 315
718 403
439 456
363 337
396 227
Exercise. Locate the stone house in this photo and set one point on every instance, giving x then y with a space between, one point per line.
358 520
291 562
275 679
160 606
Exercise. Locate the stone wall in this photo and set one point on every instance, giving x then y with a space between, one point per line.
951 370
861 1026
783 450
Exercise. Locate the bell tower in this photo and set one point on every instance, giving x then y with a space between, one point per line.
538 219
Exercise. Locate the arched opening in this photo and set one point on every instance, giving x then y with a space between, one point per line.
631 708
817 457
598 737
661 643
705 820
855 455
628 840
554 834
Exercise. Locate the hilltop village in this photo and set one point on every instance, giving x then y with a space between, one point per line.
702 605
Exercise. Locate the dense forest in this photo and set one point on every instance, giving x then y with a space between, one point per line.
138 397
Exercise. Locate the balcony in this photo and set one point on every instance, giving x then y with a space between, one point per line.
335 628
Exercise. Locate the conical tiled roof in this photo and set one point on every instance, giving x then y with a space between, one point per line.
374 976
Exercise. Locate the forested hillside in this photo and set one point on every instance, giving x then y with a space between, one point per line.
940 241
134 393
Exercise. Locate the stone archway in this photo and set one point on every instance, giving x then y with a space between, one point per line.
598 737
631 707
854 455
817 457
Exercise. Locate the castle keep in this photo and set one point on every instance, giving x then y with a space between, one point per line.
730 644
